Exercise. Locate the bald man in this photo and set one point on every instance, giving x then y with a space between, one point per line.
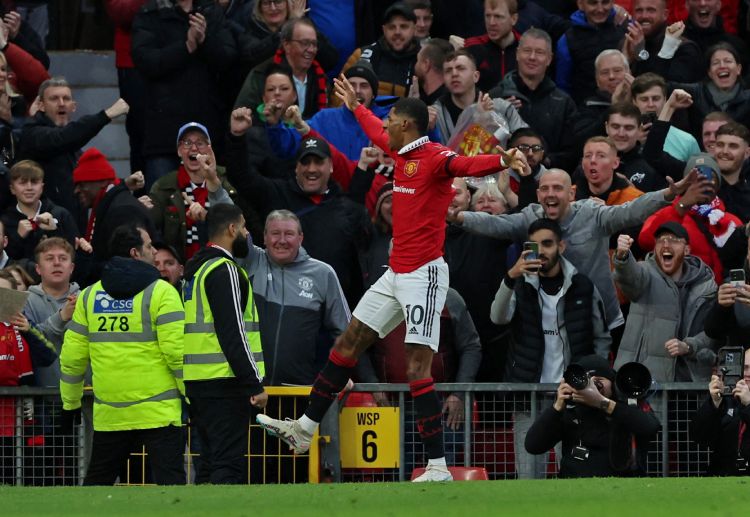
586 227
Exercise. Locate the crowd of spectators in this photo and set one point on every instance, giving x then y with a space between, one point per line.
633 116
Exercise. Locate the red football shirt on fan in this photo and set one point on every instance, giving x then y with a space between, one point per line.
15 363
422 192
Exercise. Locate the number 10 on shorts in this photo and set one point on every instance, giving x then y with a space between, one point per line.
369 437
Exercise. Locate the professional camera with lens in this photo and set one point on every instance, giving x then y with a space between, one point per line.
632 382
576 376
731 364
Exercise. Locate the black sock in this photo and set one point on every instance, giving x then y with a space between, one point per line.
429 416
331 380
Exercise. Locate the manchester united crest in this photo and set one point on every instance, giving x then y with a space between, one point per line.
410 168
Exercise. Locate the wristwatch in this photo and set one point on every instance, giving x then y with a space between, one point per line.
604 404
643 55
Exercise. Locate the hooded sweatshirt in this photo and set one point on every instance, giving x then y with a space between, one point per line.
44 311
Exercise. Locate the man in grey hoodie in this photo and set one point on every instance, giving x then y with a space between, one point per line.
586 227
670 294
50 304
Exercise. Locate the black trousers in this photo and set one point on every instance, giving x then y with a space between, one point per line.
223 425
165 447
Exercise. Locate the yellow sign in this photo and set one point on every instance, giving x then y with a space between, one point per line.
369 437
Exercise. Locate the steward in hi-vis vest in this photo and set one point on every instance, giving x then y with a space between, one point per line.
129 328
223 359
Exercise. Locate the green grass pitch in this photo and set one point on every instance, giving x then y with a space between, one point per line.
672 497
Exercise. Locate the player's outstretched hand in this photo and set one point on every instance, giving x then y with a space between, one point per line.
516 160
345 91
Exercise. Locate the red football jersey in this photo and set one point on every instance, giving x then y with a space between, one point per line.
422 192
15 363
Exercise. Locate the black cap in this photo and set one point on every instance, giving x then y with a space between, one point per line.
316 146
597 366
674 228
364 70
399 9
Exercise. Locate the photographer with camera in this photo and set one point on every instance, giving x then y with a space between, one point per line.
721 422
595 427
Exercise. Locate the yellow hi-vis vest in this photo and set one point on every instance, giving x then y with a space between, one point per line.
204 358
134 346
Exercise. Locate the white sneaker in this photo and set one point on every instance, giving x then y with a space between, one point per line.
287 430
434 473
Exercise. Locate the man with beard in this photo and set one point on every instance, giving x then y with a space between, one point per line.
394 55
223 361
556 317
556 313
586 225
670 294
660 49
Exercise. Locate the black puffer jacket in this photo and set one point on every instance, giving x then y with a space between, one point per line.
182 86
550 111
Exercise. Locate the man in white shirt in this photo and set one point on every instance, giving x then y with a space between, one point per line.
556 316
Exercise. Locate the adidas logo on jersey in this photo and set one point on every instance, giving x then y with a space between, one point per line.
413 331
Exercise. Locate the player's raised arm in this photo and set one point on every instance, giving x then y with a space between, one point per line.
371 125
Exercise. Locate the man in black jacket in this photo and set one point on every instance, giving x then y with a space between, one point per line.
596 431
54 141
662 50
334 226
541 104
182 48
721 424
394 55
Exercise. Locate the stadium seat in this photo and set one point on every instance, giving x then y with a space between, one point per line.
460 473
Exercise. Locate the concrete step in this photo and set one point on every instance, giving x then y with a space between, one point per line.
93 78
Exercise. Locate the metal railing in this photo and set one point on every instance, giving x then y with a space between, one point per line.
34 452
495 412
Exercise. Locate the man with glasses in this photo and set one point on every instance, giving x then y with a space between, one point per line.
184 49
538 100
531 144
298 51
179 201
670 294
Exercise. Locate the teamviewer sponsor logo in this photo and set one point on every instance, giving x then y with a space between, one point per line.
404 190
105 304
